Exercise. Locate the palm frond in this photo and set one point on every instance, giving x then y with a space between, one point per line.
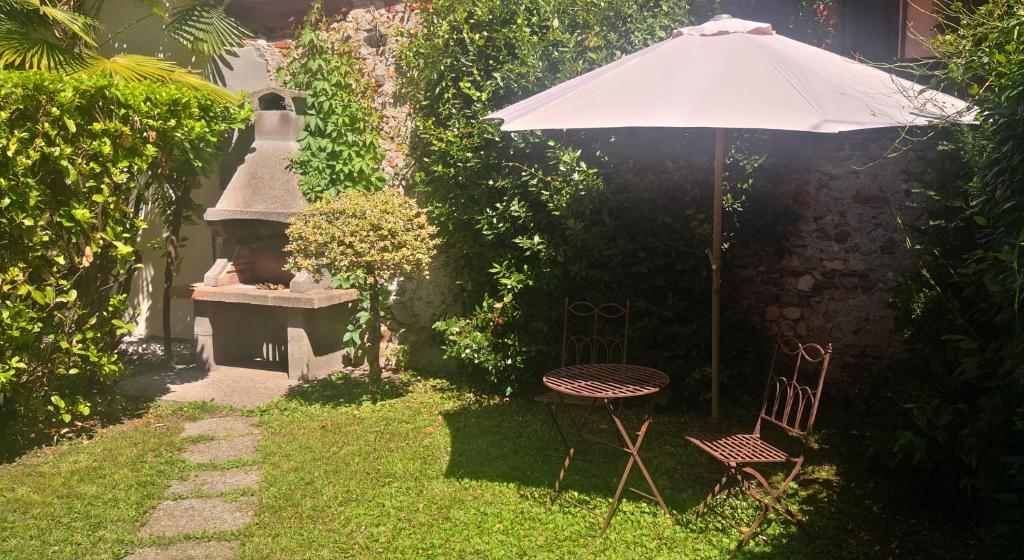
33 16
139 68
35 35
156 7
36 52
20 12
40 35
81 25
206 28
129 67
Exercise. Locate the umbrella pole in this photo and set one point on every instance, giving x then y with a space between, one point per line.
716 273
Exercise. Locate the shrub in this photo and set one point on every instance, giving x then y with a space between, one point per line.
80 160
961 312
373 238
516 212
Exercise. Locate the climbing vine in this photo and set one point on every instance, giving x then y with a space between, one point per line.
339 147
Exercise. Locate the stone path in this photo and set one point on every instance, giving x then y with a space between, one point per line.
215 550
198 503
221 385
220 450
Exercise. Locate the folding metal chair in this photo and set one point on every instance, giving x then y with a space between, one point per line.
788 406
591 334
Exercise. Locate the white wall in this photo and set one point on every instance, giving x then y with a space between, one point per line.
197 256
246 71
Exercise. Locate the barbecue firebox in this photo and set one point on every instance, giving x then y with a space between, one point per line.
250 311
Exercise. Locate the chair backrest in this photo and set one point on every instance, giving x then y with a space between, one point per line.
594 334
793 391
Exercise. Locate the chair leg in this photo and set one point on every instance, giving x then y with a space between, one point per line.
711 495
775 499
750 530
779 506
769 503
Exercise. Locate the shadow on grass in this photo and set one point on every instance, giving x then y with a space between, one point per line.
851 509
848 511
144 364
340 390
22 434
516 442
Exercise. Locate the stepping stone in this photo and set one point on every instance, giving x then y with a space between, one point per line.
220 427
223 450
214 550
216 482
198 514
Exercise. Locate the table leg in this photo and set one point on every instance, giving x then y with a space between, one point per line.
633 448
570 447
553 411
561 476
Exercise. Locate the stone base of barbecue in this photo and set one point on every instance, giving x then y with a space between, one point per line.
277 330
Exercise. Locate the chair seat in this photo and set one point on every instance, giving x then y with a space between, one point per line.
738 448
559 398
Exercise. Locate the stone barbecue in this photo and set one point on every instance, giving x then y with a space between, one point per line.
249 311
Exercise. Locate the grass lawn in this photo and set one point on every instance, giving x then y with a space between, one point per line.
87 498
435 471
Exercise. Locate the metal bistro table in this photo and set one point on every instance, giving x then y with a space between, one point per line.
605 383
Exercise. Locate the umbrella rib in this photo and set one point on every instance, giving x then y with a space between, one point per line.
584 83
785 76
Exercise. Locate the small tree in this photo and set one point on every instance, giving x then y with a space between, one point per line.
374 238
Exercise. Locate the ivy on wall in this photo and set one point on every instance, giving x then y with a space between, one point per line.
339 146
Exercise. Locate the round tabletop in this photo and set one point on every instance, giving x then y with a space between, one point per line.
606 381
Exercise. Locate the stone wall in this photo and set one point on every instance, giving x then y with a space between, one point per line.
843 249
277 19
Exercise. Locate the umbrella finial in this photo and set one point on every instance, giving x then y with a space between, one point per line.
724 24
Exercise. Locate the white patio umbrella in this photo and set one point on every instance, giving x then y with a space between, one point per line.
733 73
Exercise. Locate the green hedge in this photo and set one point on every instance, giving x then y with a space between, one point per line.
79 161
962 311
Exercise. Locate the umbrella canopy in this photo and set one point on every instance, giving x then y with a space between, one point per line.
733 73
